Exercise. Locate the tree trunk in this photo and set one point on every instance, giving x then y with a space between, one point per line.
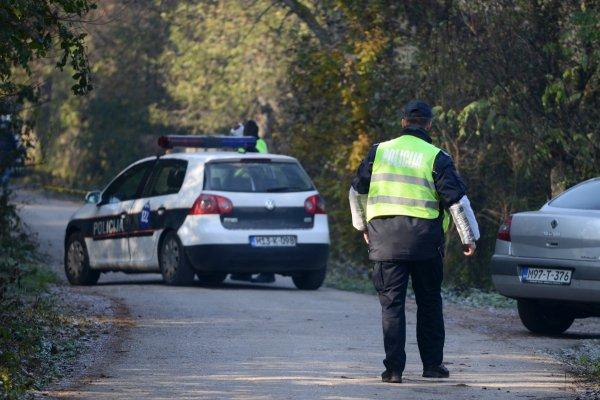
558 178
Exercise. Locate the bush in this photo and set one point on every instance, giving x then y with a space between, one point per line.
34 333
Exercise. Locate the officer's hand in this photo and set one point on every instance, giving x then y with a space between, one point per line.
469 249
366 237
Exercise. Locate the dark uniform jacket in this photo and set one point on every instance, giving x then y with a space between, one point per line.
411 238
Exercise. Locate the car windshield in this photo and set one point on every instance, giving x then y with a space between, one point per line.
256 176
581 197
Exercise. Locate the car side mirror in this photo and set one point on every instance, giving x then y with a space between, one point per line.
93 197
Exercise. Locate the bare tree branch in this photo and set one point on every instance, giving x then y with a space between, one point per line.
306 16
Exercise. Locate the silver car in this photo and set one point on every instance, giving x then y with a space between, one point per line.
549 260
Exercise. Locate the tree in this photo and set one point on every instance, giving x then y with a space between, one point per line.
33 29
226 62
85 140
515 85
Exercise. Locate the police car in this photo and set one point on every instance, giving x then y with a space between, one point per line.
204 214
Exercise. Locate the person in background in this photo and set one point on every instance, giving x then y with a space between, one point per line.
251 129
237 130
9 149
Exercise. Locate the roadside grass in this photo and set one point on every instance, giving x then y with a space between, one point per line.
357 279
590 365
37 336
583 360
479 298
351 279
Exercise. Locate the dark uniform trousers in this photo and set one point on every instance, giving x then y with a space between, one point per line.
390 279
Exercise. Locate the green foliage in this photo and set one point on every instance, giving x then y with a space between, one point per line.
584 361
31 30
34 31
86 140
34 335
591 366
344 276
225 62
515 87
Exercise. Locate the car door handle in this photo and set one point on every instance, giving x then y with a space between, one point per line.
161 210
551 244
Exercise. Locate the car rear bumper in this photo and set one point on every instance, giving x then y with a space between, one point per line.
236 258
208 230
584 287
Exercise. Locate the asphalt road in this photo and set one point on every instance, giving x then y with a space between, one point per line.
239 341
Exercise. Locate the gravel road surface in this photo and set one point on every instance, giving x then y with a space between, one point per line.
242 341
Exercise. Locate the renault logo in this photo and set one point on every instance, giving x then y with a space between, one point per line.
554 223
270 205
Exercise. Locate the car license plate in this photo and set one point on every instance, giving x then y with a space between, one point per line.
546 275
273 241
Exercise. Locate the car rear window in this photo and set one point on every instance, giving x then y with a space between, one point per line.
256 176
585 196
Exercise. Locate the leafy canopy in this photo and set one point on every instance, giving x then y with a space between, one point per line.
37 29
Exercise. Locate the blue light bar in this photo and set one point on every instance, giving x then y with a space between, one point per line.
206 142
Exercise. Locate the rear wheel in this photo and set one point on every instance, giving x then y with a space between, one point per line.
543 319
211 278
174 264
309 280
77 262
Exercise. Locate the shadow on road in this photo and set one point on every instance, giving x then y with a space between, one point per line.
576 335
146 282
247 286
197 284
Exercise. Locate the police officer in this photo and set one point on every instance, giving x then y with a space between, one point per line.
401 198
250 128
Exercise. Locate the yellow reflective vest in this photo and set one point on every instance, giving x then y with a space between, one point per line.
402 180
261 146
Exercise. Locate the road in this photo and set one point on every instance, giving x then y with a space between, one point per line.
240 341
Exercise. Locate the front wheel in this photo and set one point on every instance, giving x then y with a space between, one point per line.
309 280
174 264
543 320
77 262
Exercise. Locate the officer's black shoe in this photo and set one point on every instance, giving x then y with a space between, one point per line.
437 371
264 278
241 277
391 377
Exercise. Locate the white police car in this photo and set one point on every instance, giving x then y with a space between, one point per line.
206 214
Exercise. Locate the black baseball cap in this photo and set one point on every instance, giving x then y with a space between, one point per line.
250 128
417 109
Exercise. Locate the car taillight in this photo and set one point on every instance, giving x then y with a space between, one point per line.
504 231
211 204
314 205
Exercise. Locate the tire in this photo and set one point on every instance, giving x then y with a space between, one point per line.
77 262
174 264
309 280
211 278
543 320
